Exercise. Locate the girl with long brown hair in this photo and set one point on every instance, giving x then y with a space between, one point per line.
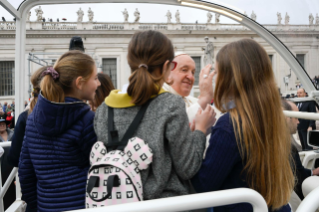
250 144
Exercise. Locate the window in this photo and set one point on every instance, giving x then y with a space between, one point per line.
6 78
109 68
270 57
301 59
198 69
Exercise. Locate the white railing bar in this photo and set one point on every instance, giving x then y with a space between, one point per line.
8 182
192 202
14 207
18 187
302 115
310 203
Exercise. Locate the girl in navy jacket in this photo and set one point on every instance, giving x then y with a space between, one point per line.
59 135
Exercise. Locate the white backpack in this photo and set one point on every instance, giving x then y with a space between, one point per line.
114 176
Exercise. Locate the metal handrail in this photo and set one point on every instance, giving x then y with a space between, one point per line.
192 202
310 203
302 115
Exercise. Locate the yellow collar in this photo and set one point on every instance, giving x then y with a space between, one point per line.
122 100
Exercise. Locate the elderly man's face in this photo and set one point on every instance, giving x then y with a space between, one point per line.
183 75
301 92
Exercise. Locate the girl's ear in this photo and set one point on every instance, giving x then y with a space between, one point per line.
79 82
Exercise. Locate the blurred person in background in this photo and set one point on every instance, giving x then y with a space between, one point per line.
5 133
102 91
19 131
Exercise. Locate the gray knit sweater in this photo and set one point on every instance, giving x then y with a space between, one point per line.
178 152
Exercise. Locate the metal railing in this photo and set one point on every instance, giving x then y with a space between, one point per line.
310 203
192 202
302 115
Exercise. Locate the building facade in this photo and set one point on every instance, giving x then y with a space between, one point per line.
107 43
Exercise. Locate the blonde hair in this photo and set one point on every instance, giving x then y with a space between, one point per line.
69 66
245 76
36 80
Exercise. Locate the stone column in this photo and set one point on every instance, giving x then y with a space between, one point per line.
79 25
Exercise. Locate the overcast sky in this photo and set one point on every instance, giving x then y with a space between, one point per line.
266 11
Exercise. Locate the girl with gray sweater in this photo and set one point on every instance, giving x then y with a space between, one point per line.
177 151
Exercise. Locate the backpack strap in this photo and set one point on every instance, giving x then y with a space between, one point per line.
113 142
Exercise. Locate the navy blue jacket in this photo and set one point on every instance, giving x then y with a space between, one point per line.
223 167
54 158
17 139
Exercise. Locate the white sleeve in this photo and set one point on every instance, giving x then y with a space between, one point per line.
191 111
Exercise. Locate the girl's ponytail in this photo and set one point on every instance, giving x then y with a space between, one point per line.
148 50
51 89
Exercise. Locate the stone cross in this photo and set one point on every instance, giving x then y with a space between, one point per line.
39 13
253 16
80 15
279 18
287 18
169 17
126 15
209 17
90 14
177 17
137 16
311 18
217 18
209 52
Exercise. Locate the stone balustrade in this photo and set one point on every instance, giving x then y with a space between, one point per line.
10 25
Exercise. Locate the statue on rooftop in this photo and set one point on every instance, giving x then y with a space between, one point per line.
39 13
245 14
90 14
80 15
177 17
137 15
317 19
29 15
287 18
169 17
209 17
126 15
279 18
217 18
311 18
209 52
253 16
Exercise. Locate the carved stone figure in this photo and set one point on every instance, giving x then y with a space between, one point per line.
126 15
287 18
29 15
80 15
279 18
209 17
217 18
317 19
253 16
137 15
39 13
169 17
209 52
311 18
245 14
177 17
90 14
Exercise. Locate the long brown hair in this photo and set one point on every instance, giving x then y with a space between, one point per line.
36 80
69 66
103 90
152 49
245 76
